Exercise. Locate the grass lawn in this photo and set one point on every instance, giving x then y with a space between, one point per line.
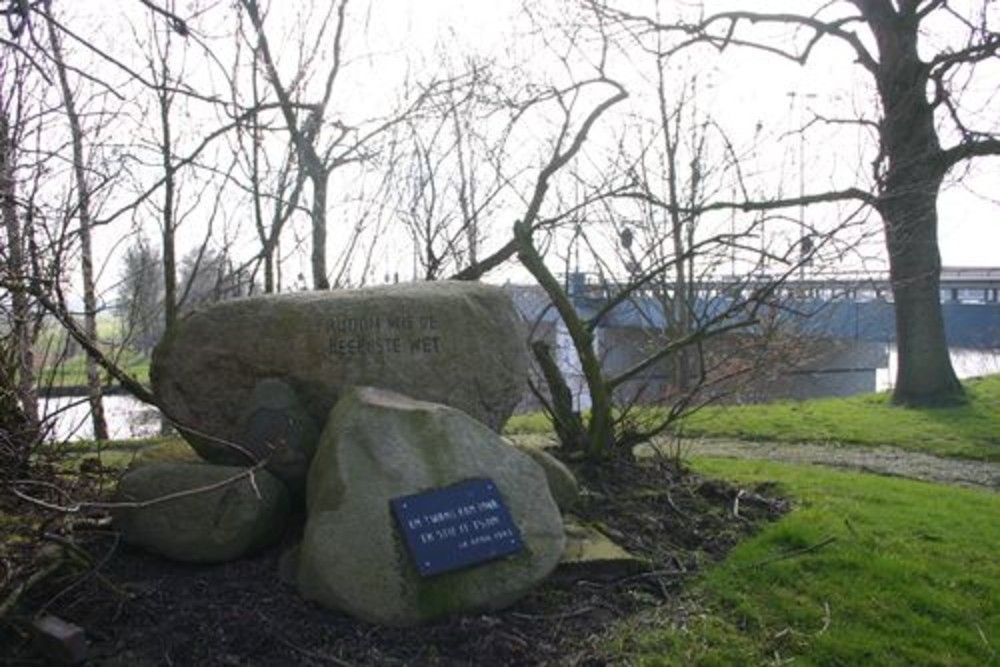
908 574
971 431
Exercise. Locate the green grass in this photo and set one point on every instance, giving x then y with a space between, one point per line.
911 578
73 371
531 423
121 454
970 431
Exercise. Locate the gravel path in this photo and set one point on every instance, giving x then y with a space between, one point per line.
881 460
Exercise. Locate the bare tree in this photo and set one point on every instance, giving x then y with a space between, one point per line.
455 172
316 161
21 270
324 142
274 187
917 73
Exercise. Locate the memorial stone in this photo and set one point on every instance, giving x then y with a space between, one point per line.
455 343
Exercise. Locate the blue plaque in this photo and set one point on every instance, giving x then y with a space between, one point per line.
456 526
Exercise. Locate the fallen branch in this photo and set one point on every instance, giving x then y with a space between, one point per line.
84 558
78 507
36 577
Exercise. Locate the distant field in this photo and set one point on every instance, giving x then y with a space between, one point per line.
73 372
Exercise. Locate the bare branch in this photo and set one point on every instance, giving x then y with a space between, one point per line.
700 32
558 160
971 149
849 194
176 22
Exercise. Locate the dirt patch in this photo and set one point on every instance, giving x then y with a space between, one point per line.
138 609
878 460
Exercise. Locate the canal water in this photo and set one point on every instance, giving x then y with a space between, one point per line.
127 418
967 363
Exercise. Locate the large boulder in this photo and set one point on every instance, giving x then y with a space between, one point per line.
198 516
456 343
379 446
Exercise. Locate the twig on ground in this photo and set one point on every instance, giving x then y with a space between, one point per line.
789 554
826 619
656 573
322 657
736 503
554 617
674 507
95 569
982 635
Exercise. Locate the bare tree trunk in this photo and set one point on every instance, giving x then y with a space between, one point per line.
27 395
671 121
678 303
170 296
320 178
267 248
95 393
600 435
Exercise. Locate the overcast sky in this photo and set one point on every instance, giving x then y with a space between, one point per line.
742 91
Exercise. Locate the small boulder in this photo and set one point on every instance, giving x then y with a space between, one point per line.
378 446
451 342
278 428
62 643
203 517
562 482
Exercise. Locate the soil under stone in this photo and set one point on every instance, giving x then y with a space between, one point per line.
143 610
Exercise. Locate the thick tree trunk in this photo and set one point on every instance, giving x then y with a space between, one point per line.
567 422
924 374
914 167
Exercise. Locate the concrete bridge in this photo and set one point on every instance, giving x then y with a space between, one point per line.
849 316
858 307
